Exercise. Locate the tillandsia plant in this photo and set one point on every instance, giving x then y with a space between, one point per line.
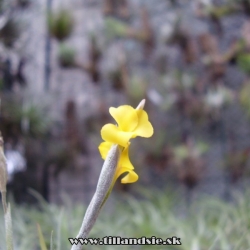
115 151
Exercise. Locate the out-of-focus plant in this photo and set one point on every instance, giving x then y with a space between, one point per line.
61 24
146 34
244 97
136 88
63 154
10 78
92 67
186 42
116 79
32 119
159 142
119 77
239 49
237 163
208 8
212 58
118 8
171 90
215 12
161 161
115 28
28 118
237 52
188 162
216 98
244 62
198 104
94 56
159 157
189 97
10 32
66 57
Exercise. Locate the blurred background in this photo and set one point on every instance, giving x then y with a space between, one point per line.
64 63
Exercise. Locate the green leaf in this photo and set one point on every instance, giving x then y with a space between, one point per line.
41 238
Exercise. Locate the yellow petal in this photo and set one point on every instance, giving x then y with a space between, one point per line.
130 177
144 127
125 166
104 148
126 117
112 133
124 159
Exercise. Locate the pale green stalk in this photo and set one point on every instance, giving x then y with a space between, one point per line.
102 191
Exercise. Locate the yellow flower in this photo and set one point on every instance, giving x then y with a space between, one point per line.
131 123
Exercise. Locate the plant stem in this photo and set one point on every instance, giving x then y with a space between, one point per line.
104 184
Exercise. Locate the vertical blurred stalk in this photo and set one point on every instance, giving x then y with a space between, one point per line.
6 208
47 70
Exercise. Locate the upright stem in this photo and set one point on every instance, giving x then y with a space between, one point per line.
105 183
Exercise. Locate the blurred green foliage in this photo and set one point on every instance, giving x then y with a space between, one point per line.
244 62
61 24
183 151
244 97
66 56
209 223
115 28
28 118
136 89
